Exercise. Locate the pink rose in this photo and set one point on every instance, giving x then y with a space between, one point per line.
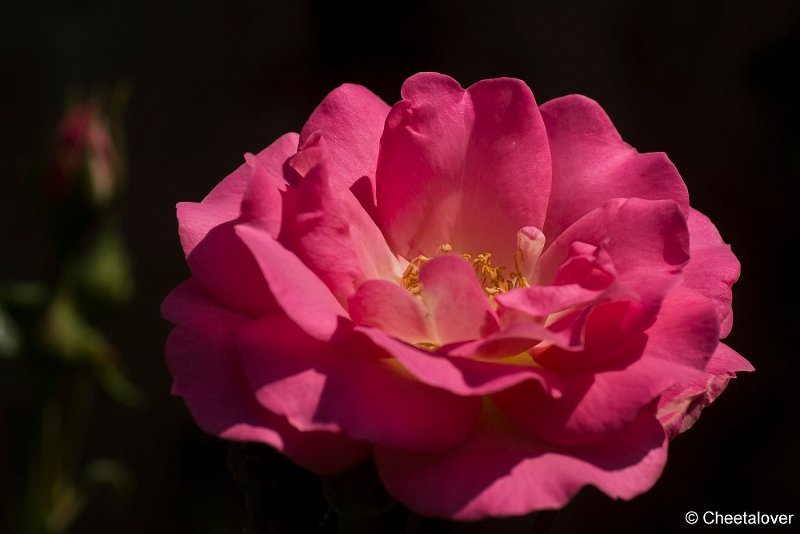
501 302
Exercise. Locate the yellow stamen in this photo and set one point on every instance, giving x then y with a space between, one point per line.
411 275
493 279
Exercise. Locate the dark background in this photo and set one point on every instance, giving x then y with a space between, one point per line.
714 84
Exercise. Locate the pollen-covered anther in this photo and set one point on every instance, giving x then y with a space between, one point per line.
492 279
411 274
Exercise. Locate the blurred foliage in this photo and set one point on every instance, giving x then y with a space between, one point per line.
9 336
54 328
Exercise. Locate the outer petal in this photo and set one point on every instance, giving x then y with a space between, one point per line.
227 270
351 390
591 164
298 291
332 233
202 359
679 407
351 120
264 201
713 268
188 303
467 168
596 404
501 471
222 204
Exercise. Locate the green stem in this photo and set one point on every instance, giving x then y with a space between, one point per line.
52 498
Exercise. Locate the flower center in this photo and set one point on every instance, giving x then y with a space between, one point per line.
493 279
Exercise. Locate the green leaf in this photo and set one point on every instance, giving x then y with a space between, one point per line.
118 386
71 339
9 336
101 275
22 295
109 472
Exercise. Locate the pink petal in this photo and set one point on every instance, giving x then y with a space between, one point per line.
332 233
727 360
541 301
466 168
520 337
298 291
501 471
223 203
202 359
588 265
349 389
350 119
462 376
647 240
591 164
388 307
713 268
524 326
188 302
680 406
263 202
594 404
556 314
530 243
606 331
226 269
459 307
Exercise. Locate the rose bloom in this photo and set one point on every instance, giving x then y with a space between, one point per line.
500 302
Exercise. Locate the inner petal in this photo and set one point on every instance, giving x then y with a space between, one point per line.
456 302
